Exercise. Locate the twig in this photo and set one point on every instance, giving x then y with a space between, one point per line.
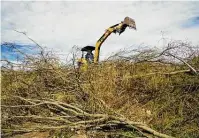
194 70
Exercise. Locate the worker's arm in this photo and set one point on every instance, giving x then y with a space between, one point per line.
118 28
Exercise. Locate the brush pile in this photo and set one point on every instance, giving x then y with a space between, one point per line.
142 92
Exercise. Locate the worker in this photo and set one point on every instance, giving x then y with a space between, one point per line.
89 56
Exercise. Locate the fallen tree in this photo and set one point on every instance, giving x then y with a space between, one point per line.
75 119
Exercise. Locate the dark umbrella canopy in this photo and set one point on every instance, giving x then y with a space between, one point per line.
88 48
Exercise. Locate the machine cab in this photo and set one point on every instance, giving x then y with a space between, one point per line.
87 56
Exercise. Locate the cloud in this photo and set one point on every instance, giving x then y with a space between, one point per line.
60 25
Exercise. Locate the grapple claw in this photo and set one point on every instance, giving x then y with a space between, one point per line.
129 22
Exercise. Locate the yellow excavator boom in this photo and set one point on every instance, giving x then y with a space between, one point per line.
118 28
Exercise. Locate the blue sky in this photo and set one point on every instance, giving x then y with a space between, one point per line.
191 23
61 25
9 52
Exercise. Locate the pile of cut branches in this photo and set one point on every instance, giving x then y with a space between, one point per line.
67 116
40 94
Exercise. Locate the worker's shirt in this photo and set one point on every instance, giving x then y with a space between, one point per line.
89 57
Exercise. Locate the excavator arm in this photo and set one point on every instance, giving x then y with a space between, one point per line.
118 28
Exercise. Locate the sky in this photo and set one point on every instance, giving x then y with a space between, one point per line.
61 25
9 51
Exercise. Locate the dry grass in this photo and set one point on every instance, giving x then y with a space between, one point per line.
154 93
